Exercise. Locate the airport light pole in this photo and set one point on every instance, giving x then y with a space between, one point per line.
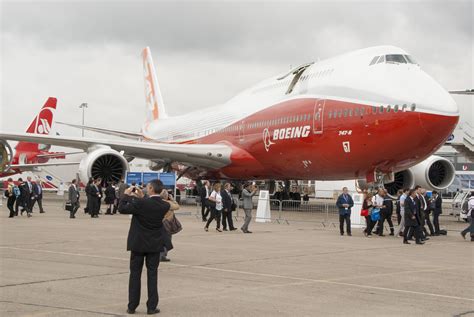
83 106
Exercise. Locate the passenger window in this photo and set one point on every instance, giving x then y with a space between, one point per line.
395 109
356 112
404 108
362 111
340 113
350 112
345 113
381 109
413 107
374 110
374 60
389 108
330 114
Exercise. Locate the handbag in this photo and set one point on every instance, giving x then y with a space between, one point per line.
375 216
68 206
171 223
364 212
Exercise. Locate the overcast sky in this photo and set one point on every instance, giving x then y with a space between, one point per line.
204 52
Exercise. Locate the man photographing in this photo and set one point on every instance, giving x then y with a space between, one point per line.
146 239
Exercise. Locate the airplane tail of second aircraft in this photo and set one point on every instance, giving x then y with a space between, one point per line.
155 107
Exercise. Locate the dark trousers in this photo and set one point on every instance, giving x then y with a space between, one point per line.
204 209
75 207
152 261
19 203
385 216
11 205
215 214
399 218
369 225
347 219
409 230
469 228
428 223
436 222
40 204
227 218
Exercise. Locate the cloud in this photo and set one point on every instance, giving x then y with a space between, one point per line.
205 52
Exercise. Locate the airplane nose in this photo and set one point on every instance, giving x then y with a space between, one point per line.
436 128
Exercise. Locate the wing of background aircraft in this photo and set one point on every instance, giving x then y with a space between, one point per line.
30 166
462 92
209 156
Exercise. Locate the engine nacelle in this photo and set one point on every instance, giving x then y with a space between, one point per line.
435 173
6 156
104 163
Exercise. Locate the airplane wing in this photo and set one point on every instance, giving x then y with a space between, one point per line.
120 133
210 156
27 166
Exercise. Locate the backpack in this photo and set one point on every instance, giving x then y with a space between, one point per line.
16 191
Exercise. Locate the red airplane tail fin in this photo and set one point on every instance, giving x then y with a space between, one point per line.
41 124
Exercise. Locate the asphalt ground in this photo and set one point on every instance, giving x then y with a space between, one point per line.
55 266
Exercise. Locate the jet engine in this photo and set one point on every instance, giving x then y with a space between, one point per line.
6 156
104 163
434 173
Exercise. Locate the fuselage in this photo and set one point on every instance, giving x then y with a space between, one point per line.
346 117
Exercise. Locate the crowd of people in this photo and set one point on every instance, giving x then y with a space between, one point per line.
417 213
219 202
23 196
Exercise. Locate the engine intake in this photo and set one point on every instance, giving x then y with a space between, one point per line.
6 156
104 163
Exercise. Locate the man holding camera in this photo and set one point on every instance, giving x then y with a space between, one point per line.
146 239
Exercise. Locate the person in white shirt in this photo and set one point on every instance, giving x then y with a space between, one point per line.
470 216
215 202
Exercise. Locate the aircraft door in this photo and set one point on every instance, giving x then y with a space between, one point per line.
241 131
318 118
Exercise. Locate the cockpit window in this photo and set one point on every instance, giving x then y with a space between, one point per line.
374 60
395 58
381 59
410 59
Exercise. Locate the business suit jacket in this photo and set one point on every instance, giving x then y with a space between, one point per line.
247 199
226 200
438 205
37 191
146 234
410 211
94 199
341 200
73 194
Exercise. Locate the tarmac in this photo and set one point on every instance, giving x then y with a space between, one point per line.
55 266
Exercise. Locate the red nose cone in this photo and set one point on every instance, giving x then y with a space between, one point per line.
436 129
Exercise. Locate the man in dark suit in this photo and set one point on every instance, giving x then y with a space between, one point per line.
146 238
436 205
204 194
227 208
29 196
412 221
95 196
386 214
37 195
345 203
73 197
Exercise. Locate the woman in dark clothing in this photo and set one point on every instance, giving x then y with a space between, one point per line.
109 198
368 205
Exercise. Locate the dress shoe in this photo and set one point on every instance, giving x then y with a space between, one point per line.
218 230
206 229
426 239
349 234
391 234
406 242
248 231
28 214
130 311
463 235
342 233
164 259
154 311
42 212
204 219
420 242
225 229
233 229
381 235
